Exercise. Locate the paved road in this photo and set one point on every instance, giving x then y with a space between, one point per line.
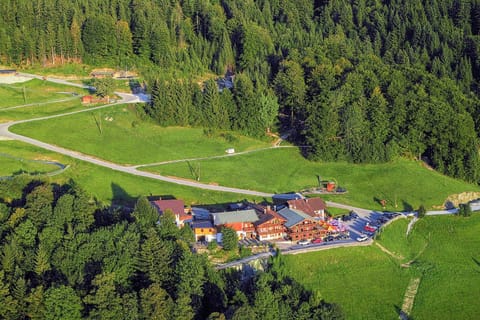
39 104
296 250
126 98
56 80
209 158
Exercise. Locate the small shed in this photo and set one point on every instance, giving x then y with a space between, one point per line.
87 99
8 72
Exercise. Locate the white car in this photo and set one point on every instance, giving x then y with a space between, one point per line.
303 242
363 237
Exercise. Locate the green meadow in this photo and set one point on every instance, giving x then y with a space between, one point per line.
42 110
118 135
370 284
362 280
10 166
108 185
33 92
64 70
403 183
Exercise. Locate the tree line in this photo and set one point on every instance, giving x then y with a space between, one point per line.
361 81
63 256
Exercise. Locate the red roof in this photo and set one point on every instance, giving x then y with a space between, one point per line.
266 214
87 99
310 206
176 206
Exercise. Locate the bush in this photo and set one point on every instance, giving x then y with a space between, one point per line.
245 252
229 239
208 132
230 137
421 211
212 245
464 210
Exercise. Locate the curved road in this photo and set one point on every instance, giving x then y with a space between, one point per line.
126 98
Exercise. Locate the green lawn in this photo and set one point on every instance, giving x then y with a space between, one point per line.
450 285
108 185
362 280
405 182
33 91
369 284
117 135
42 110
13 166
68 69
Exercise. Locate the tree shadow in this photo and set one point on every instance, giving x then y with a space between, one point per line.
135 86
120 196
407 206
402 315
477 262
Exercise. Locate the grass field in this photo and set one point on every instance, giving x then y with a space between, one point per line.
369 284
68 69
405 248
12 166
117 135
450 268
33 91
108 185
42 110
405 182
362 280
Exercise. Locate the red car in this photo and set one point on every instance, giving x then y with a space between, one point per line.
317 240
369 228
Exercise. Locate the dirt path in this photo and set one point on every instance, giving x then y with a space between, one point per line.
391 254
407 264
39 104
409 298
410 225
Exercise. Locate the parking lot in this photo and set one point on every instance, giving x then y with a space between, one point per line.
362 226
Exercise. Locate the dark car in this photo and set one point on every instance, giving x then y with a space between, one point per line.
353 214
329 238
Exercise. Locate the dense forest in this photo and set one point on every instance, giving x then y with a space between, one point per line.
62 256
360 80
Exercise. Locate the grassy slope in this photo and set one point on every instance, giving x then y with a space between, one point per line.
108 185
283 170
394 238
36 91
127 139
10 166
363 281
65 70
450 284
369 284
42 110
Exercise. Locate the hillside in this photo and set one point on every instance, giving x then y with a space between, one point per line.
359 81
445 261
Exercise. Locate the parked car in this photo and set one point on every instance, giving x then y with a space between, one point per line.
353 214
363 237
303 242
369 228
317 240
329 238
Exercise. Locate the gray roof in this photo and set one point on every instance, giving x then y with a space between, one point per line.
220 218
202 224
293 216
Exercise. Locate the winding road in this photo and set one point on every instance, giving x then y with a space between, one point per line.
125 99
